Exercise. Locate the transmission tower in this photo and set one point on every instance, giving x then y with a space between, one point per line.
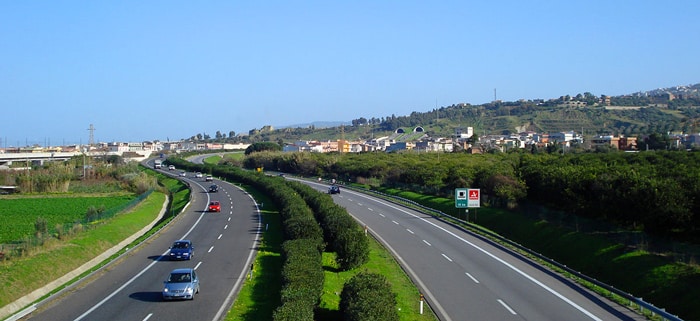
92 135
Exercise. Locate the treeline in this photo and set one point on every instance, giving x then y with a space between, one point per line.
656 191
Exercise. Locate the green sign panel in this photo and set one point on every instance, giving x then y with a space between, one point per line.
461 200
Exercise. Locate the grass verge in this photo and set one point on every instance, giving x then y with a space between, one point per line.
380 262
260 296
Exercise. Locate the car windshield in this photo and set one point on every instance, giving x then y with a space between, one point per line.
179 278
180 245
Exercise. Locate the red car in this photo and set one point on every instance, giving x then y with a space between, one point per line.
214 207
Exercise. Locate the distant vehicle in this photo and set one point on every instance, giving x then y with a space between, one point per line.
171 167
181 250
213 188
183 174
209 178
198 175
334 189
157 164
214 206
181 284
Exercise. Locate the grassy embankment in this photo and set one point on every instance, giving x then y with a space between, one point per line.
658 279
260 296
21 276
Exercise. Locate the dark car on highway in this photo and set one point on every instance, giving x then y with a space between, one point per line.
181 250
334 189
213 189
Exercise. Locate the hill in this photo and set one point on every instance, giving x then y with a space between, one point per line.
665 110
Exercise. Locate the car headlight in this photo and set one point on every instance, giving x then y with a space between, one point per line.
165 290
188 290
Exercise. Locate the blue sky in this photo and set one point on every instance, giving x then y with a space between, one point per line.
146 70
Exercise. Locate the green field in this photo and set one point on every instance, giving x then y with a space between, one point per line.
20 214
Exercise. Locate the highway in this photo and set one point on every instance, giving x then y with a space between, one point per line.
466 277
130 288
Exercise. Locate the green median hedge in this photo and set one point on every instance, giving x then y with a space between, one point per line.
302 280
302 270
344 235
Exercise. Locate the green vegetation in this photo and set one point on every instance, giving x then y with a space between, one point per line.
380 262
653 192
368 296
21 214
20 276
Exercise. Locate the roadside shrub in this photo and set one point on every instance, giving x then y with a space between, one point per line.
368 297
351 248
302 280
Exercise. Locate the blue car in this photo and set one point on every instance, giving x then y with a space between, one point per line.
181 284
182 250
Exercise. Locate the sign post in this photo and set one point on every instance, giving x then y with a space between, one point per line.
467 198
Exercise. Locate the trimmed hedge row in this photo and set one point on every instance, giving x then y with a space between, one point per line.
341 232
302 280
368 297
302 270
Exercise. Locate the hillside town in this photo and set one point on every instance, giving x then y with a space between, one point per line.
402 139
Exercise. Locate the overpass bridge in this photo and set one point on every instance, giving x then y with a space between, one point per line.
7 159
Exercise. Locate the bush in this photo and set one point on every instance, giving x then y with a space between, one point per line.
302 280
367 297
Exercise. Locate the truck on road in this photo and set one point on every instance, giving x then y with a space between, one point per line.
157 164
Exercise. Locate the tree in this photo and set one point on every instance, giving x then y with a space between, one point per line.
263 146
656 141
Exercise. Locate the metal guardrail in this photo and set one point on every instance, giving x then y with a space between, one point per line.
643 305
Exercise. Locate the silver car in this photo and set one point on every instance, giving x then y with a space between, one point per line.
181 284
